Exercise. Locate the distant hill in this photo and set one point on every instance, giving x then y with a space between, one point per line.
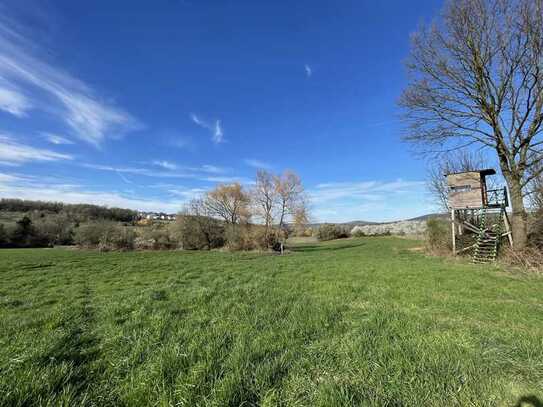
364 222
431 216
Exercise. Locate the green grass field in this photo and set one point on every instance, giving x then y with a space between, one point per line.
353 322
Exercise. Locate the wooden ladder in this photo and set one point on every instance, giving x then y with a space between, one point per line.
488 240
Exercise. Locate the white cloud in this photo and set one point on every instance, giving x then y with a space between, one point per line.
138 171
199 122
14 153
88 116
187 193
251 162
368 200
56 139
218 134
14 102
34 189
370 190
308 71
124 178
171 170
212 169
227 180
206 168
165 164
215 128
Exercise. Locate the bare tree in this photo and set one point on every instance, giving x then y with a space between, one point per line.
290 197
456 161
229 203
300 219
265 199
477 79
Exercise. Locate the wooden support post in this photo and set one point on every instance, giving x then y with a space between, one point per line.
453 228
508 228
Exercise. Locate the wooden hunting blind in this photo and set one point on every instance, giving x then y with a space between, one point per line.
468 190
478 215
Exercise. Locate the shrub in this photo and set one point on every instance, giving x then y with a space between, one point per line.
193 232
156 237
55 229
240 237
257 234
89 234
357 232
105 236
529 259
24 234
117 238
4 241
330 232
438 236
536 230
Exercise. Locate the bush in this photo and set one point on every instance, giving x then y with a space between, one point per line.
4 241
257 234
55 229
240 237
192 232
105 236
529 259
89 234
117 238
330 232
438 236
357 232
24 234
536 230
156 237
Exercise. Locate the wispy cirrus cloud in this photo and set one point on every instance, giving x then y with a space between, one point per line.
370 190
54 90
369 200
212 169
187 193
147 172
227 180
14 153
56 139
215 128
208 173
165 164
14 102
205 168
251 162
34 188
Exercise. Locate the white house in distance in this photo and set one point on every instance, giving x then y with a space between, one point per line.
156 216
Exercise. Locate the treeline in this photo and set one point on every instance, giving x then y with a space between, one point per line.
55 229
230 215
76 212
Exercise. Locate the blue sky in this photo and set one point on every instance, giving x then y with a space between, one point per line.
148 104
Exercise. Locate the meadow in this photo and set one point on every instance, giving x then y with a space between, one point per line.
366 322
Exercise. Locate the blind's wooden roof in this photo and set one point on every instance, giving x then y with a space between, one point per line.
486 171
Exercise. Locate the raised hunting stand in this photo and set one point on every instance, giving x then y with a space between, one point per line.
478 215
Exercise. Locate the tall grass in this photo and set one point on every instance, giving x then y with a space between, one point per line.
355 322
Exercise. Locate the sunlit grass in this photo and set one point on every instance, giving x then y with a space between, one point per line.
354 322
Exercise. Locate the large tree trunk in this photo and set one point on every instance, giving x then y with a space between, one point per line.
519 215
